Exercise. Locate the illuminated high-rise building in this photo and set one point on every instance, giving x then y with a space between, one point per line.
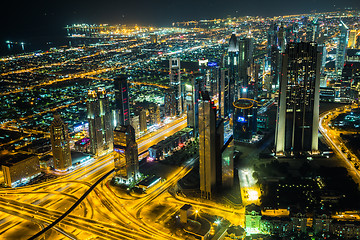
126 154
207 145
271 41
275 67
122 111
227 164
232 64
100 124
154 114
135 123
215 158
192 102
341 47
175 82
245 61
143 121
323 51
312 31
298 104
281 36
210 72
60 143
224 93
352 39
244 121
170 103
153 38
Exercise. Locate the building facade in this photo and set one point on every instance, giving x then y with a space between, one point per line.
341 47
122 110
100 124
126 154
175 82
245 120
207 145
60 144
298 103
192 102
20 168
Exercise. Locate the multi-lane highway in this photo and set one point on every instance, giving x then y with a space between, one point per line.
334 140
43 203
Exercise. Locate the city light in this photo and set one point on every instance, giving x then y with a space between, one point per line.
229 127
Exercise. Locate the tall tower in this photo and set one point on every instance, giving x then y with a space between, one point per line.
60 144
175 82
298 104
122 111
192 102
275 67
245 120
224 93
341 48
143 121
126 153
170 103
245 60
281 36
207 145
232 64
100 125
352 39
271 40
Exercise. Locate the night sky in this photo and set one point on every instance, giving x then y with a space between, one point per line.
20 19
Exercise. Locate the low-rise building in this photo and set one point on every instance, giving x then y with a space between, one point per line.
160 150
252 218
345 229
20 168
185 211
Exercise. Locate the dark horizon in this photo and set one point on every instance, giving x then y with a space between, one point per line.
39 18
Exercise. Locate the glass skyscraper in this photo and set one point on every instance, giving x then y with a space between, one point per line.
298 104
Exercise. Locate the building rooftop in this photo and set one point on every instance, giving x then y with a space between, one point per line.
244 103
186 207
233 44
252 207
10 160
353 52
148 182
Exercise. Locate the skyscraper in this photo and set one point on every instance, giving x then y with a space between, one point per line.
232 64
245 60
245 121
281 36
227 165
126 154
175 82
298 104
100 124
271 40
275 67
341 48
60 143
192 102
122 111
143 121
170 103
224 93
352 38
207 145
154 114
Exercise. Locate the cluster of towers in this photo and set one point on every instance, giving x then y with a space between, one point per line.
233 84
108 131
296 69
297 62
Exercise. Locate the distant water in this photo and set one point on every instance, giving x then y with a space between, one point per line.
44 43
